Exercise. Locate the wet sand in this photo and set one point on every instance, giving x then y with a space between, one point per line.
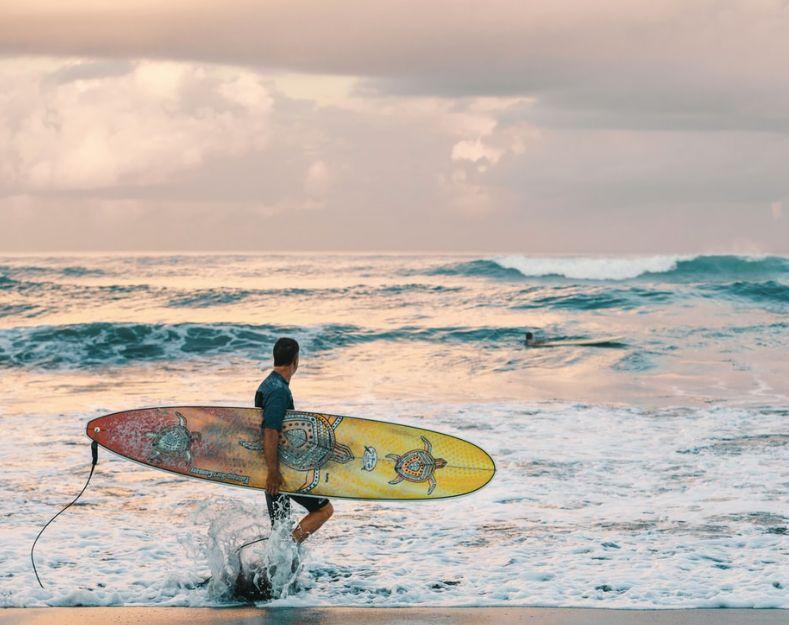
386 616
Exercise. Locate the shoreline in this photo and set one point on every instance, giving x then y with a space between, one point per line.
390 616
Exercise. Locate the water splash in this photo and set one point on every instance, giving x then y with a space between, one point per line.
265 570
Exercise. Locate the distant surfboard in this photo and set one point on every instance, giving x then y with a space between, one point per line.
321 455
615 341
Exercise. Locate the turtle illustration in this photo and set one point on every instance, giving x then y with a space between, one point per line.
308 442
173 440
417 465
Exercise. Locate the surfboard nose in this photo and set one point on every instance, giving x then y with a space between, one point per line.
98 429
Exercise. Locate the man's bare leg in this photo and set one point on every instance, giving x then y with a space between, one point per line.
312 523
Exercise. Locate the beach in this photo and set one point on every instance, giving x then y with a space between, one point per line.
384 616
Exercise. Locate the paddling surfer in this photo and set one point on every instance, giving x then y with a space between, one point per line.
530 341
274 396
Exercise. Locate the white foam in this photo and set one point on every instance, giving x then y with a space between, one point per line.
590 268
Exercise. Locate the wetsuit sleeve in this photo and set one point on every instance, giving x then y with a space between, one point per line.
274 405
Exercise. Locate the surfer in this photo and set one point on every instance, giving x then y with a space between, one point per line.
274 396
530 341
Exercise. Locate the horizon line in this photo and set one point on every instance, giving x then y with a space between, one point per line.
391 252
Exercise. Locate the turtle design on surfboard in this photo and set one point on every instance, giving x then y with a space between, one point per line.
308 442
417 465
174 441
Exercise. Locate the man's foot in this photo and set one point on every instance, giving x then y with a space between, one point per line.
299 534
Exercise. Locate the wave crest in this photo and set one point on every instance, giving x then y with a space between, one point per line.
620 268
91 345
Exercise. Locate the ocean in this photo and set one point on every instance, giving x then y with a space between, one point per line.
650 471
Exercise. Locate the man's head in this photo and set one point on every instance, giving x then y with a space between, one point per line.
286 353
529 336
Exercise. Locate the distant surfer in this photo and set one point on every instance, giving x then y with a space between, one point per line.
274 396
530 341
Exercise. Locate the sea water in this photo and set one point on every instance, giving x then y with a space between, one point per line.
648 473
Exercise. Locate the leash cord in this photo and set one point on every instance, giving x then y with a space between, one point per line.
251 542
94 450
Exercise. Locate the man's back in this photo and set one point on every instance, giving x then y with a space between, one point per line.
275 397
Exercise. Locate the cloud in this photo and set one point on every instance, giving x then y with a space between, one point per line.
475 151
76 124
251 164
317 180
664 63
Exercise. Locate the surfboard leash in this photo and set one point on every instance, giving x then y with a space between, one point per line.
94 450
252 542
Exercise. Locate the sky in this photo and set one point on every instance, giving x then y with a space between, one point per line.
562 127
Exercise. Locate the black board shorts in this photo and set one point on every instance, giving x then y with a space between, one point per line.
279 505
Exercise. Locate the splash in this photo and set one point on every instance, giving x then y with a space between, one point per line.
264 570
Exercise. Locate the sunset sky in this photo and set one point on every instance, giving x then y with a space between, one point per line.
622 126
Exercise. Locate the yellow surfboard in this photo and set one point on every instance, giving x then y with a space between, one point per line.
321 455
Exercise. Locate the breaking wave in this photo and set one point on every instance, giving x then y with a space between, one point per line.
673 268
102 344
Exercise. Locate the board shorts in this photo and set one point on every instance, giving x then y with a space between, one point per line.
279 505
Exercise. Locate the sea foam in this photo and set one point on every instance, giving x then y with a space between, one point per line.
590 268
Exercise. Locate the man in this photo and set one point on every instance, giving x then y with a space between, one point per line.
274 397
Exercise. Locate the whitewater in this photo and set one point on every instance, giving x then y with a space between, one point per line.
647 473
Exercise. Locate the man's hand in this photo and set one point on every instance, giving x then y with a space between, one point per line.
273 482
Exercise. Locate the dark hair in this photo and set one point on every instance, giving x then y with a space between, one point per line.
285 351
529 335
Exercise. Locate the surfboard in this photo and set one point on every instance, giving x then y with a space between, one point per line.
614 341
321 455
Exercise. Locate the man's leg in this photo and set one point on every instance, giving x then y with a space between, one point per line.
278 507
319 511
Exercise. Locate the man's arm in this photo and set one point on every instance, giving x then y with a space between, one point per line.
274 406
271 453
